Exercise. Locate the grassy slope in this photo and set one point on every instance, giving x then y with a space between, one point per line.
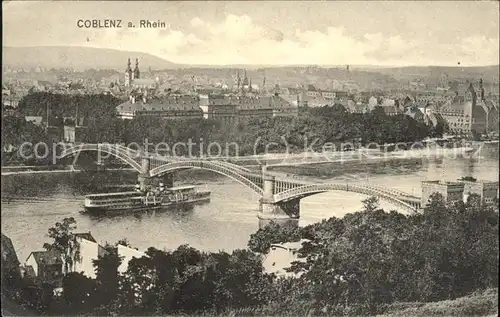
483 304
477 304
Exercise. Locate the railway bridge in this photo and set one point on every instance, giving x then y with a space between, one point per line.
280 196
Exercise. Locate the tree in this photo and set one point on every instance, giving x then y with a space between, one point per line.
78 291
64 242
107 275
273 233
357 264
123 242
370 204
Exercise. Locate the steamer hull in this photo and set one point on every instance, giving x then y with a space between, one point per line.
132 202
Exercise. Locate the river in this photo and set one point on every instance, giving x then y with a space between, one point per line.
32 203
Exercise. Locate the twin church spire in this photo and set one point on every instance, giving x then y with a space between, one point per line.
130 74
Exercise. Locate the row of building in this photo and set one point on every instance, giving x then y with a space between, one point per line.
50 266
219 107
463 113
460 190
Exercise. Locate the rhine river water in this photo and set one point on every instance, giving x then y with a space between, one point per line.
32 203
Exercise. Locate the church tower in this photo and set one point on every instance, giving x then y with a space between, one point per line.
481 89
128 75
238 79
277 89
137 73
245 80
470 95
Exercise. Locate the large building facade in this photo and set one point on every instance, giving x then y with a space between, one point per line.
227 108
450 191
471 112
240 107
460 191
167 107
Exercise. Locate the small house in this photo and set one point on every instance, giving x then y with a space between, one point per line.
44 266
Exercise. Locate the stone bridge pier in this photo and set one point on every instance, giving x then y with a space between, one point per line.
270 211
147 181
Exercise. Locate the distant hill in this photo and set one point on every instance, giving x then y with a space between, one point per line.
79 58
457 72
290 76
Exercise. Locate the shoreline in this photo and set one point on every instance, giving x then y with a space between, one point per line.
7 173
289 159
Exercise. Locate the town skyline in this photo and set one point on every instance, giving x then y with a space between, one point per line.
384 34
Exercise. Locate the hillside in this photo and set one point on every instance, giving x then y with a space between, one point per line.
367 77
490 73
78 58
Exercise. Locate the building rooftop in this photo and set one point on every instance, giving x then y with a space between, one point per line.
47 257
290 90
387 102
250 102
144 82
391 109
442 182
320 100
176 102
85 235
453 107
478 181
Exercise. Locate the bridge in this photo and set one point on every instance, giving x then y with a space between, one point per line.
280 196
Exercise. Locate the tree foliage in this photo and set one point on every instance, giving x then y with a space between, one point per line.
356 265
314 128
371 258
64 242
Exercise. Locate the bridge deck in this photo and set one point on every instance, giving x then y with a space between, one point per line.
284 188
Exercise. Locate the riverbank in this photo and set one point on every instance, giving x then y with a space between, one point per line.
307 161
311 158
7 170
328 170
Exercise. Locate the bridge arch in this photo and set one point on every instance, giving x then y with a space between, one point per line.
312 189
119 152
249 179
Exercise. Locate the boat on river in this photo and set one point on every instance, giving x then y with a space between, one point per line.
135 201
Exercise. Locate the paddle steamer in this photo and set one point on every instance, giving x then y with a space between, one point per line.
134 201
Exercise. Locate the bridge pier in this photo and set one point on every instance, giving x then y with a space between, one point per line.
272 212
144 179
147 181
144 182
269 211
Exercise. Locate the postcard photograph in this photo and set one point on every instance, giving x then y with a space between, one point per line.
250 158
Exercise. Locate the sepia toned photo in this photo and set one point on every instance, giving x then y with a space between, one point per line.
250 158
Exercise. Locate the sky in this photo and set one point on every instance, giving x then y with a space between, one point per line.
382 33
